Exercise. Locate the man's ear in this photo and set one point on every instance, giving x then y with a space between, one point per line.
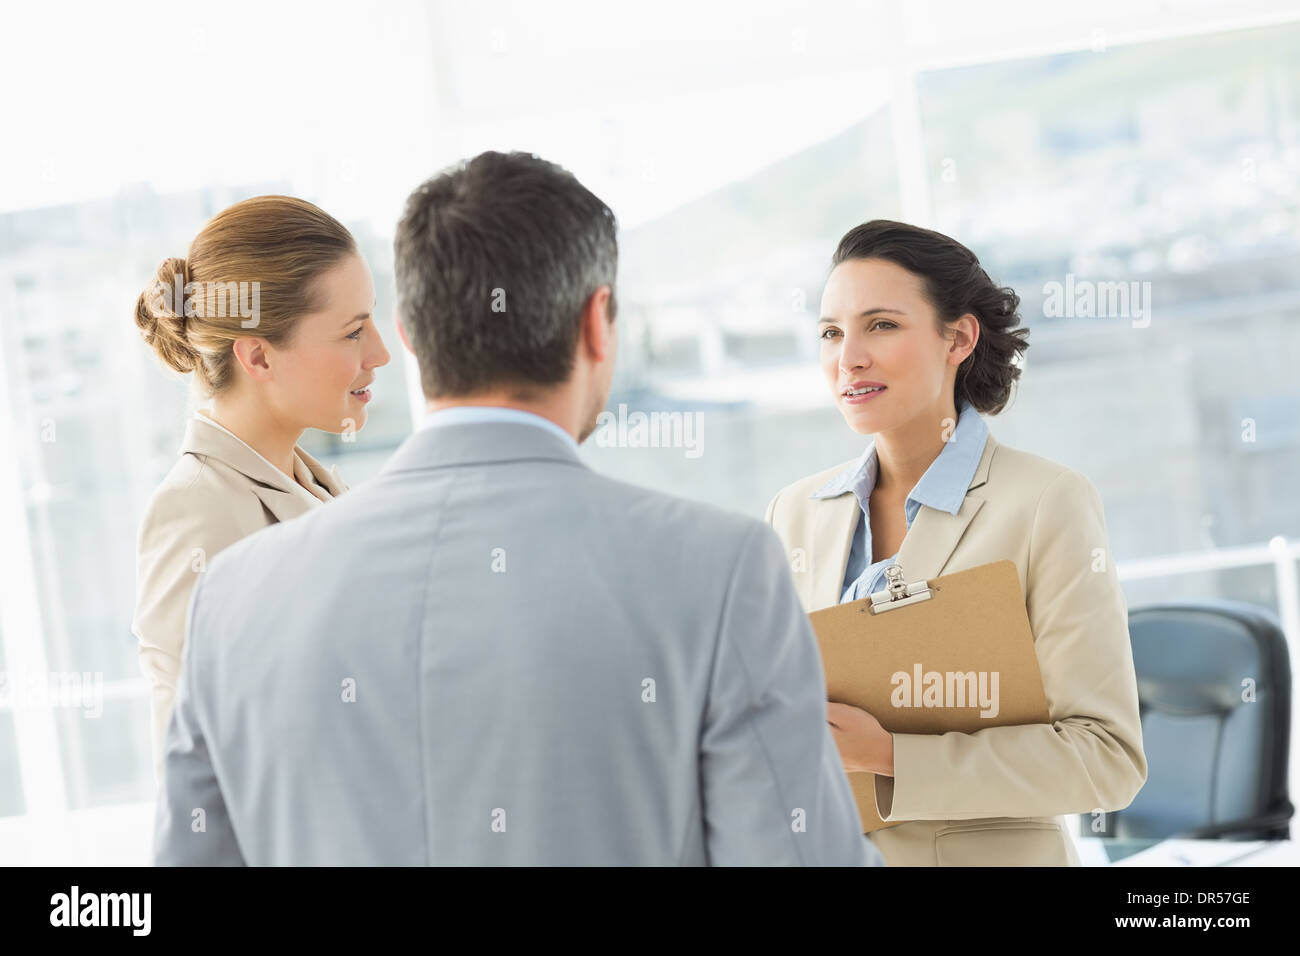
597 329
401 334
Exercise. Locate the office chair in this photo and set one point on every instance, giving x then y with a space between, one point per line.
1214 692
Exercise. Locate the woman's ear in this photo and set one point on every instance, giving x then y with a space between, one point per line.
250 353
963 334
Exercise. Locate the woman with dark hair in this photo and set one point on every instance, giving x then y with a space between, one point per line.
917 343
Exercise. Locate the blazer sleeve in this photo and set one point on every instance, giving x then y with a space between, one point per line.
773 787
184 527
192 824
1090 756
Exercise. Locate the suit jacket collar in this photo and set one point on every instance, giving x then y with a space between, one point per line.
276 489
928 545
480 443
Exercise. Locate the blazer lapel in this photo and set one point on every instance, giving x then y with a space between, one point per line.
327 477
834 521
275 489
933 536
286 504
926 548
283 504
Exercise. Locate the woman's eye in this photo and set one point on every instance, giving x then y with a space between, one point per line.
884 322
355 335
826 333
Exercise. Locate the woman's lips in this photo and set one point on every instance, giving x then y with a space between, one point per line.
361 395
859 399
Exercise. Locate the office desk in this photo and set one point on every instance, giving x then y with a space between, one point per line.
1115 852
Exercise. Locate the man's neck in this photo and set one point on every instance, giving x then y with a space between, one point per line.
557 408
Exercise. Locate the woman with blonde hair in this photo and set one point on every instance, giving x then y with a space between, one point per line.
272 313
917 344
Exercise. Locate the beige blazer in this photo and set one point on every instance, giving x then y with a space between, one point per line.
998 796
219 491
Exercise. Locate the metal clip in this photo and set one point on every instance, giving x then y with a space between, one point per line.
897 593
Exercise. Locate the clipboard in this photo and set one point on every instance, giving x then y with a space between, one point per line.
954 653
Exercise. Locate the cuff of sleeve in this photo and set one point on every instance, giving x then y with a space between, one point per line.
903 796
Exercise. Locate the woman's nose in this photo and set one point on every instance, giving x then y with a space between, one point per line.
379 355
853 356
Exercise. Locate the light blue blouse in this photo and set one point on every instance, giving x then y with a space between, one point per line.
943 487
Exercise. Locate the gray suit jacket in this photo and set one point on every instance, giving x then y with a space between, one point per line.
490 654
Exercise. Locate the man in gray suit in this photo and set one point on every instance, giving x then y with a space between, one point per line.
490 654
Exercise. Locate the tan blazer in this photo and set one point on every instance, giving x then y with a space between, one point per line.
219 491
996 797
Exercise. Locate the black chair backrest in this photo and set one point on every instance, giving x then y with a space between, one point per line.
1214 687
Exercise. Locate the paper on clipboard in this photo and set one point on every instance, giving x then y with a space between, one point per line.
954 653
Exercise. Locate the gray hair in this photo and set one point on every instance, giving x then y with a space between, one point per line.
495 259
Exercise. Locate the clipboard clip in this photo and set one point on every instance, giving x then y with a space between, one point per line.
898 594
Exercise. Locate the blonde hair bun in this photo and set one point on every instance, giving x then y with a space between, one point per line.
161 324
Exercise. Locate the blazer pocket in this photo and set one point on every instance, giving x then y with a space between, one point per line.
1001 844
